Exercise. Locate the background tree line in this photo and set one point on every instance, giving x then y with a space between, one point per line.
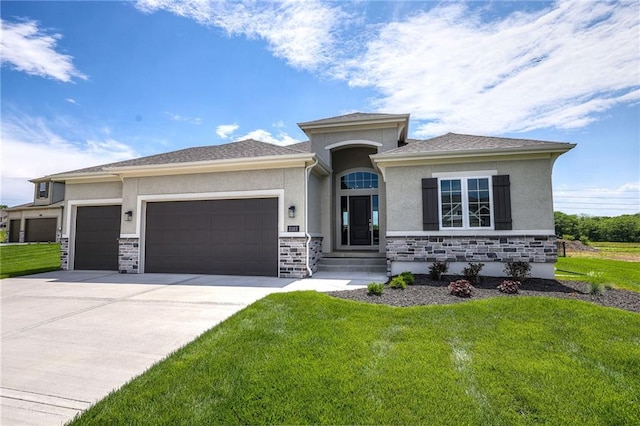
624 229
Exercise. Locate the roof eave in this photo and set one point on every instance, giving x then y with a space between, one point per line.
312 125
438 155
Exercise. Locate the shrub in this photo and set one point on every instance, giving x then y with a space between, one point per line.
584 240
398 282
461 288
437 269
596 283
472 272
375 289
408 277
509 286
518 271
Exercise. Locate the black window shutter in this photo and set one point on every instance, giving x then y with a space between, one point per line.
502 203
430 219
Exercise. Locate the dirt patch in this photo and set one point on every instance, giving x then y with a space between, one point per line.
429 292
577 246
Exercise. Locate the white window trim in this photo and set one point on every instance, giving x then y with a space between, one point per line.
464 178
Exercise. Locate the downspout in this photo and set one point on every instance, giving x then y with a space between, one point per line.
307 172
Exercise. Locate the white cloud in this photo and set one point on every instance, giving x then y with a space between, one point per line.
31 149
601 201
27 48
177 117
278 124
301 33
71 101
262 135
225 130
450 66
553 68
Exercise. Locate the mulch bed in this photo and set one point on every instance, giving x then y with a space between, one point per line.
428 292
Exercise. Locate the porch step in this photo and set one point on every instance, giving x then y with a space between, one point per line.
353 262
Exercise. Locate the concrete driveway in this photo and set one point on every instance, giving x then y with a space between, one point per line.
70 337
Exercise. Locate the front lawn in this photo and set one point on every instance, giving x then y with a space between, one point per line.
304 357
618 273
25 259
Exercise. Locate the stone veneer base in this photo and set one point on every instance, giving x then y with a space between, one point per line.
129 255
456 249
293 253
64 254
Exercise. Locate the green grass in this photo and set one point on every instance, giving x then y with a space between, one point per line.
307 358
25 259
617 247
619 274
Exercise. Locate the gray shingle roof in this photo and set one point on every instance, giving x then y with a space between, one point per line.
248 148
452 142
356 116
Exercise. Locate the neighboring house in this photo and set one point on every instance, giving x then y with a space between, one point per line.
40 221
358 187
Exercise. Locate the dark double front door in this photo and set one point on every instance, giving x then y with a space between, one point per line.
360 226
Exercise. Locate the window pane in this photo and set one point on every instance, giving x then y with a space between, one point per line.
451 203
478 203
345 221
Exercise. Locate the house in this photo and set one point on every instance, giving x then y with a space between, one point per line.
358 187
41 220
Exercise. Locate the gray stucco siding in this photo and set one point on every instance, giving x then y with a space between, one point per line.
387 137
315 203
531 193
93 191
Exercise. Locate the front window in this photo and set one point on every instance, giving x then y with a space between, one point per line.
43 189
465 203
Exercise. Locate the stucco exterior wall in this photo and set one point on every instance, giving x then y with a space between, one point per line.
93 191
315 203
387 137
37 213
531 192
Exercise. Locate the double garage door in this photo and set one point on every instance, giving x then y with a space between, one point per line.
40 230
226 237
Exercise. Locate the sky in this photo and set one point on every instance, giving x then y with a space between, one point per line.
86 83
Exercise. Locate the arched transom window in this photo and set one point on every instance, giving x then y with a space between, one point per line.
359 180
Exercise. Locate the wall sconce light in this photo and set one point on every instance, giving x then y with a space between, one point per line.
128 215
292 211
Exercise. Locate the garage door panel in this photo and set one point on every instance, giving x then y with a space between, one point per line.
96 241
231 237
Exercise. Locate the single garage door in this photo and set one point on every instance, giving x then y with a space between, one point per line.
14 231
225 237
40 230
97 233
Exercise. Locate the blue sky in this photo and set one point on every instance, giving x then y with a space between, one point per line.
87 83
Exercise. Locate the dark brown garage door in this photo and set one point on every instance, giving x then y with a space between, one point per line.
40 230
97 233
14 231
227 237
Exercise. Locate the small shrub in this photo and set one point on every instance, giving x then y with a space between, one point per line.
408 277
518 271
584 240
375 289
398 282
596 283
509 286
596 288
568 237
472 272
461 288
437 269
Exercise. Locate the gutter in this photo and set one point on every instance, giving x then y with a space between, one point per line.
307 172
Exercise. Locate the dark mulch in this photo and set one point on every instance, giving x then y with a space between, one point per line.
429 292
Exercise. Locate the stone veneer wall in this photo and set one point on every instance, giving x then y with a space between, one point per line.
525 248
64 254
293 252
129 255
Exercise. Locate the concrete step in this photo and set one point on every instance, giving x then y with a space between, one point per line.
382 269
345 261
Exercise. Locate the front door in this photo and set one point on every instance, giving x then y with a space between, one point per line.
360 229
